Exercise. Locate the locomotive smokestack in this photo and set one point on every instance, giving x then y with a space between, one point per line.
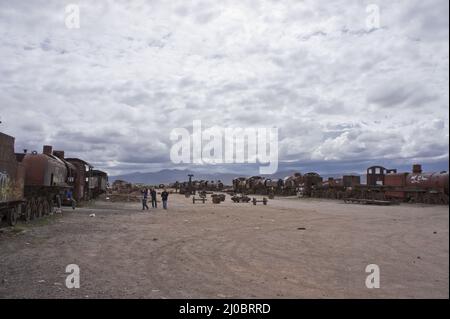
47 150
417 169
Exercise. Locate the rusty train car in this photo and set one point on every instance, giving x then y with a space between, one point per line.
31 184
98 184
81 188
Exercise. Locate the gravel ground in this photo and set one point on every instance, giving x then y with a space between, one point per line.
291 248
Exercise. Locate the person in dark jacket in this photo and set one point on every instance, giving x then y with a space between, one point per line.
164 197
153 195
144 199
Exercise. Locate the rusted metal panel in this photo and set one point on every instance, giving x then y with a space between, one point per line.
81 184
396 180
312 179
19 183
11 171
8 163
437 181
100 180
351 180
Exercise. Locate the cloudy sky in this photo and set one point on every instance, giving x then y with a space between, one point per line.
343 94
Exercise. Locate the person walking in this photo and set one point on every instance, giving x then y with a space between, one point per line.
153 195
69 196
144 199
164 197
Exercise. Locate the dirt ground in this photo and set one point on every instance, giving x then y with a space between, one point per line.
291 248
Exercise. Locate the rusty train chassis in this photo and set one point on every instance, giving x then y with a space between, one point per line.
40 201
408 194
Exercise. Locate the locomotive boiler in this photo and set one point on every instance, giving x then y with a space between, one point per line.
47 177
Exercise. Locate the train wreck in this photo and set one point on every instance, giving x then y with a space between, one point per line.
382 184
33 184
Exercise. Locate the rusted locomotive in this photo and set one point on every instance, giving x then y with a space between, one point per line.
31 184
415 187
311 182
239 184
292 183
336 188
47 177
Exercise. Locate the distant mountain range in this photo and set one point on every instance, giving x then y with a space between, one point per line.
171 175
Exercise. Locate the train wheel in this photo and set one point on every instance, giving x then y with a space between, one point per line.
419 198
12 216
51 207
427 199
444 199
33 210
27 212
40 209
45 207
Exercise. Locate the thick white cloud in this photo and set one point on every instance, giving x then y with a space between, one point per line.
112 91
